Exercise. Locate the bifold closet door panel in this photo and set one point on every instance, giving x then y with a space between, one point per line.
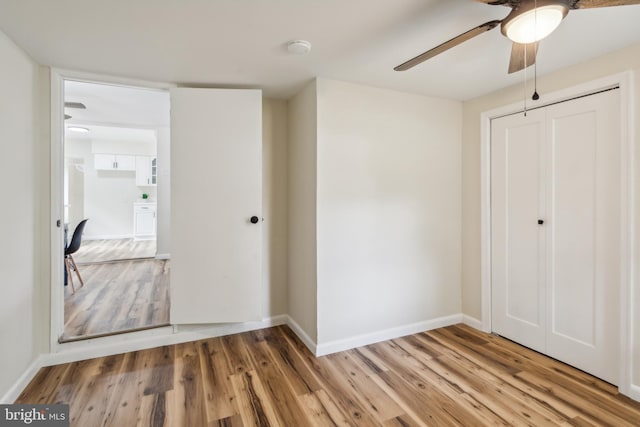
517 194
583 233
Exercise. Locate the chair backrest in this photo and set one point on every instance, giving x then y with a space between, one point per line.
74 245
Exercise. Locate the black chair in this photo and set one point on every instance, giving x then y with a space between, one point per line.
72 248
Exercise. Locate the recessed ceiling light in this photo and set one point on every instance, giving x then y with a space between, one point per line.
77 129
298 47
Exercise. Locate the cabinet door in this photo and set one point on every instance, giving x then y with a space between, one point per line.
125 163
145 220
216 187
154 171
104 162
143 171
120 162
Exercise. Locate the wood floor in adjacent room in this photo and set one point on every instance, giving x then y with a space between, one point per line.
453 376
114 249
117 296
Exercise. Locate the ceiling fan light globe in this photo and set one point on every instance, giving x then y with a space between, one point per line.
535 24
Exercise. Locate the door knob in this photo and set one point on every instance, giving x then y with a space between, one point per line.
254 219
540 221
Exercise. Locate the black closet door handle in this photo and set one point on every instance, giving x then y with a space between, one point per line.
540 221
254 219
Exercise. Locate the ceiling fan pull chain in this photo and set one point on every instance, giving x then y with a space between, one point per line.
535 96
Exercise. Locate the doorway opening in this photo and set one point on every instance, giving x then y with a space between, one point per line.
116 177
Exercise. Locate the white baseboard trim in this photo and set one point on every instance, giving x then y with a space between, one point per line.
163 256
634 392
387 334
304 337
14 391
472 322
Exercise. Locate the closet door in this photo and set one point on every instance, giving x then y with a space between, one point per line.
583 229
556 231
517 243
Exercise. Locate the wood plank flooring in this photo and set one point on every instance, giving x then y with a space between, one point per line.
117 297
114 249
453 376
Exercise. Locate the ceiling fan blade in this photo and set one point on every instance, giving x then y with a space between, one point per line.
495 2
448 45
75 105
592 4
522 54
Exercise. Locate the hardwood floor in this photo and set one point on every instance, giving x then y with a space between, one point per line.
114 249
117 297
453 376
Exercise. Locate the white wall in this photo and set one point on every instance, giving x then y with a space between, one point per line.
108 195
626 59
388 209
131 147
274 206
20 257
74 186
108 202
302 279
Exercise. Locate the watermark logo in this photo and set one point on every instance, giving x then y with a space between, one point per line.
34 415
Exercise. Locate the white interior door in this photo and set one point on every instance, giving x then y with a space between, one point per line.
517 240
555 285
583 278
216 188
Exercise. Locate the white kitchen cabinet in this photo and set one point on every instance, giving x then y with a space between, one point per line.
144 221
146 171
114 162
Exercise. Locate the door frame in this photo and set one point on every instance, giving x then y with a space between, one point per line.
57 78
624 81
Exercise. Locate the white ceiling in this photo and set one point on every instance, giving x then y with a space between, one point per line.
115 113
116 106
241 43
113 134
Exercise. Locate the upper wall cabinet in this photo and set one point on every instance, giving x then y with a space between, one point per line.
146 171
112 162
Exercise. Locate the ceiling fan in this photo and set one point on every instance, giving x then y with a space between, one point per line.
78 105
528 22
